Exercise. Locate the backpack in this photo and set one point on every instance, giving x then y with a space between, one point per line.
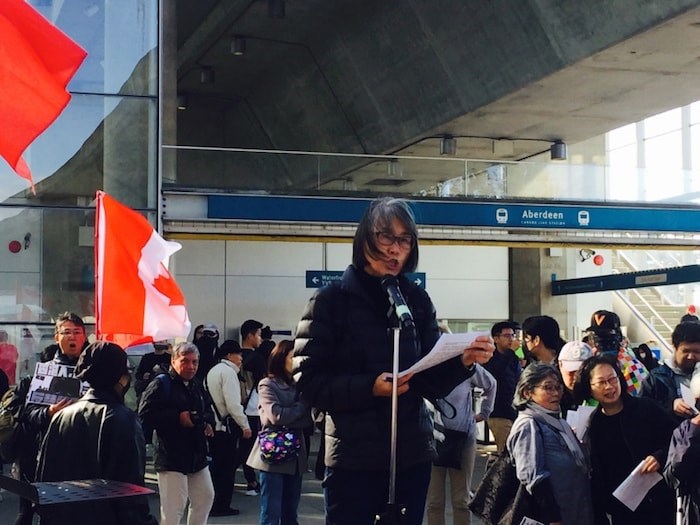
11 427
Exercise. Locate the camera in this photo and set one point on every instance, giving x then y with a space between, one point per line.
197 419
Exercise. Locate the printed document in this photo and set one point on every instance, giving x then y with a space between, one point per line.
631 492
447 347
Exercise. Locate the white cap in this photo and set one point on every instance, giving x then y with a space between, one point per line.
573 354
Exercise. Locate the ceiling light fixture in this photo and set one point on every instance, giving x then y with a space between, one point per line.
448 146
206 75
558 150
238 46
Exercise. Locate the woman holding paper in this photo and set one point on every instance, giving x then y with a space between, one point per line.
625 434
344 350
549 460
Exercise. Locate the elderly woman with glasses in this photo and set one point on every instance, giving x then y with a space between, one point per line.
624 433
344 350
549 460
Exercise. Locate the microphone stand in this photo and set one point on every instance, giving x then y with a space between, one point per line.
394 514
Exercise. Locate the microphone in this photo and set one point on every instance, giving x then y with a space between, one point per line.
391 287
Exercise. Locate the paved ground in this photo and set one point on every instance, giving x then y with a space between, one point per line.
310 507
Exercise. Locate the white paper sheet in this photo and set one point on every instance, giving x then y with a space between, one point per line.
632 490
578 420
447 347
688 398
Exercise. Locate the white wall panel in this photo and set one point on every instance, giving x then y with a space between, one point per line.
199 258
272 258
464 262
205 298
273 300
469 299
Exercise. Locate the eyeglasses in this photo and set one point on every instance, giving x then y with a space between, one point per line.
612 381
387 239
549 388
67 333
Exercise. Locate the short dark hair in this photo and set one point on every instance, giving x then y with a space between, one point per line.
276 365
685 333
250 327
69 317
582 387
378 216
546 328
498 327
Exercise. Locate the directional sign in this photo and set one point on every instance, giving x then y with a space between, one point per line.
623 281
319 278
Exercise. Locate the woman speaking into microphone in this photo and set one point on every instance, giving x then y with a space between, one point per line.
343 355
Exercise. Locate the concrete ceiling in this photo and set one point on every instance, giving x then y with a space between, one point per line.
372 77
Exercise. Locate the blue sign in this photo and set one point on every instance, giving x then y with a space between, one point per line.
624 281
319 278
511 215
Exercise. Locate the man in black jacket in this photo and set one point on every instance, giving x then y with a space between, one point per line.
97 437
177 407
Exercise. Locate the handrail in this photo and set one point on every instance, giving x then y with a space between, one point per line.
658 337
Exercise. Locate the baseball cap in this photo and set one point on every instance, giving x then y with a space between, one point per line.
573 354
604 321
228 347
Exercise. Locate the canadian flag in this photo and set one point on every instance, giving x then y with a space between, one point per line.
135 294
36 63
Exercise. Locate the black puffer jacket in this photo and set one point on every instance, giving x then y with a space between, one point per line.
178 448
96 437
343 344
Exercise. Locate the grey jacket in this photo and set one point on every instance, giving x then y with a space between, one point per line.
279 406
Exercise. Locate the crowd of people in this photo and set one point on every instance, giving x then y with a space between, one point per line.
390 442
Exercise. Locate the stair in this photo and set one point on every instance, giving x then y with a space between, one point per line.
650 302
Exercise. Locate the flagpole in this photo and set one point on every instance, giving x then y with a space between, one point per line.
159 123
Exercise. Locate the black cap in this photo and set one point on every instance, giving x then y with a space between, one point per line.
604 321
102 364
228 347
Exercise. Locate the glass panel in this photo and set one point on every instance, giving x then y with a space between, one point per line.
97 143
357 175
623 136
121 40
662 123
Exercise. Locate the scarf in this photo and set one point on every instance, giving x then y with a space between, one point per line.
552 419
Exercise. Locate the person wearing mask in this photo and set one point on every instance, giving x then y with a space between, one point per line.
663 384
548 459
646 356
280 406
571 357
69 334
178 408
623 433
97 437
457 414
505 368
542 338
207 345
344 356
605 334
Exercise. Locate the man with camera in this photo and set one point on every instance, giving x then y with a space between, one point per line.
177 407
